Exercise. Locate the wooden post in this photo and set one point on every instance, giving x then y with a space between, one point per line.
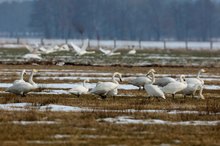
114 43
211 45
186 42
42 41
140 44
164 45
18 40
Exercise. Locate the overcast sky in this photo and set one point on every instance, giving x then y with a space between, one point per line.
11 0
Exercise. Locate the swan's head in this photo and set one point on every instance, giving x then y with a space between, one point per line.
86 80
183 77
23 71
119 75
34 70
151 71
202 70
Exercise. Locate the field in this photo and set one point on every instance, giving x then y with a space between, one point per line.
55 117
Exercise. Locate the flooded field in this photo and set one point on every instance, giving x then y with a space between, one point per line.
53 116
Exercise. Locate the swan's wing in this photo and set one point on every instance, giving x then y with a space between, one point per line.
105 51
103 88
85 44
30 49
75 47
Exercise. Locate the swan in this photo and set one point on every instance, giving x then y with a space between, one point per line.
22 88
153 90
21 77
132 52
164 81
174 87
79 90
141 81
82 51
196 80
109 52
32 56
105 89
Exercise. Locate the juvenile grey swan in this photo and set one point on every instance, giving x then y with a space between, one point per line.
141 81
104 89
174 87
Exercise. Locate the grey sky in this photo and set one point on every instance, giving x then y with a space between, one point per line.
12 0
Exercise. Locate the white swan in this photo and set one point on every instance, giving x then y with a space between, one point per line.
174 87
164 81
132 52
31 56
81 51
107 88
22 88
21 77
109 52
79 90
153 90
141 81
196 80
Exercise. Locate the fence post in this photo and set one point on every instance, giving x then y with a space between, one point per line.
89 43
186 42
211 44
18 40
164 45
42 41
114 43
140 44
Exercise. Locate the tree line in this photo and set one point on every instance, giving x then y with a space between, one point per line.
127 19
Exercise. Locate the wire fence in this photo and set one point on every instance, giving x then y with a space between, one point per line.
183 45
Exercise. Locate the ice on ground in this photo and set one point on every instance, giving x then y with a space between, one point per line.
130 120
33 122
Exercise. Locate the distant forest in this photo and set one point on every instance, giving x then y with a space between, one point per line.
114 19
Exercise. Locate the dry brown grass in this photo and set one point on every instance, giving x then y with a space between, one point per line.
82 128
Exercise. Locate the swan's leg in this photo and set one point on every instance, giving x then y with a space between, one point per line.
139 87
173 95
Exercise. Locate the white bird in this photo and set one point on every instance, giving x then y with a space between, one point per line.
21 77
107 88
174 87
109 52
79 90
196 80
31 56
164 81
22 88
132 52
81 51
153 90
141 81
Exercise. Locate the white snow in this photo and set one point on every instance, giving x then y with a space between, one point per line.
131 120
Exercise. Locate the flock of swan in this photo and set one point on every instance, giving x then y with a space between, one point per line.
37 51
159 88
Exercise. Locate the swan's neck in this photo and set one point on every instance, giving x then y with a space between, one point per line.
84 83
22 75
198 74
114 80
31 78
153 77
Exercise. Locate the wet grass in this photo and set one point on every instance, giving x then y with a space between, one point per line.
83 128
